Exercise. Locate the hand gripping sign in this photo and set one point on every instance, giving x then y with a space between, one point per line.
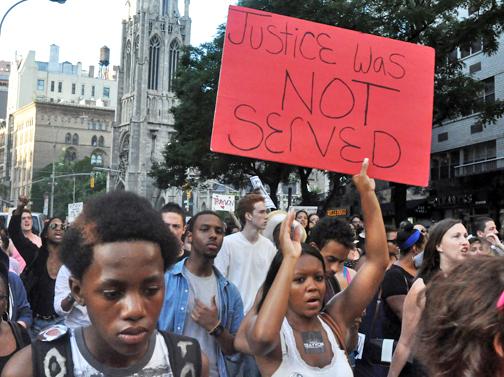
313 95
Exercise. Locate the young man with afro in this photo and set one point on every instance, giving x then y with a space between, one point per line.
117 252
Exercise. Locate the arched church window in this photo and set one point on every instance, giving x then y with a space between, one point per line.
97 158
75 139
101 141
173 62
154 48
128 67
68 138
94 141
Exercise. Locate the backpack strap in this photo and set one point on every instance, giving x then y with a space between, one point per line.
52 358
336 330
184 354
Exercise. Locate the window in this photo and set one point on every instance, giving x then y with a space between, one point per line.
96 159
82 90
172 64
489 90
475 128
52 86
40 84
60 87
68 138
155 45
94 141
75 139
74 88
452 56
475 68
101 141
128 67
93 89
106 92
475 47
442 136
480 152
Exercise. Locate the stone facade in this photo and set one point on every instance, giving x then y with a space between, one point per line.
152 38
57 82
44 131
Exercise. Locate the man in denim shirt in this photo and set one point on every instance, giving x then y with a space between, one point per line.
199 301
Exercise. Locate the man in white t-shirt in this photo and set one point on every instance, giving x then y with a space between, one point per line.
246 256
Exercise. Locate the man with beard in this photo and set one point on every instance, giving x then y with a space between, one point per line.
199 302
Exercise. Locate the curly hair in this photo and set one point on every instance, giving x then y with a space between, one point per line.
461 321
114 217
332 229
432 260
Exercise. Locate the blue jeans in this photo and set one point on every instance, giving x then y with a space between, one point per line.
40 324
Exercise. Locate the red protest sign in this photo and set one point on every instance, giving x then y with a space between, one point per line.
308 94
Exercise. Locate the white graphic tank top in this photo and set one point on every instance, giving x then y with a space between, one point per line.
294 366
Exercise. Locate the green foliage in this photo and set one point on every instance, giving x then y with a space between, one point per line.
433 23
64 187
196 89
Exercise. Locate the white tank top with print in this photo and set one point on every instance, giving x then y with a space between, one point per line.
154 363
294 366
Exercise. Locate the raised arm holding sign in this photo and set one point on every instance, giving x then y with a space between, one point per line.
313 95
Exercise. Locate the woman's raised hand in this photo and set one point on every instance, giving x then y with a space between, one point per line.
290 237
361 181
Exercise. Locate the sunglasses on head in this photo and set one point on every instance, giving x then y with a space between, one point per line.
54 226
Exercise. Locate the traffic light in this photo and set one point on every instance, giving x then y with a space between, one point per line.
91 182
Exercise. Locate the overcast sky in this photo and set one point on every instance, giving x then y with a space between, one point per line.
82 27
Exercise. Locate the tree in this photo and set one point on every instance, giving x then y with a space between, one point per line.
433 23
64 187
188 157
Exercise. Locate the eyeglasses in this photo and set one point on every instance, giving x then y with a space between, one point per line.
54 226
3 297
392 242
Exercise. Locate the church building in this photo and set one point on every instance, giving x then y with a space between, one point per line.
152 37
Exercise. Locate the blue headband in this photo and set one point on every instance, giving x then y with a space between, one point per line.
411 240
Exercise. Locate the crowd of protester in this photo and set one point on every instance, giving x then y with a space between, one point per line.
126 290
